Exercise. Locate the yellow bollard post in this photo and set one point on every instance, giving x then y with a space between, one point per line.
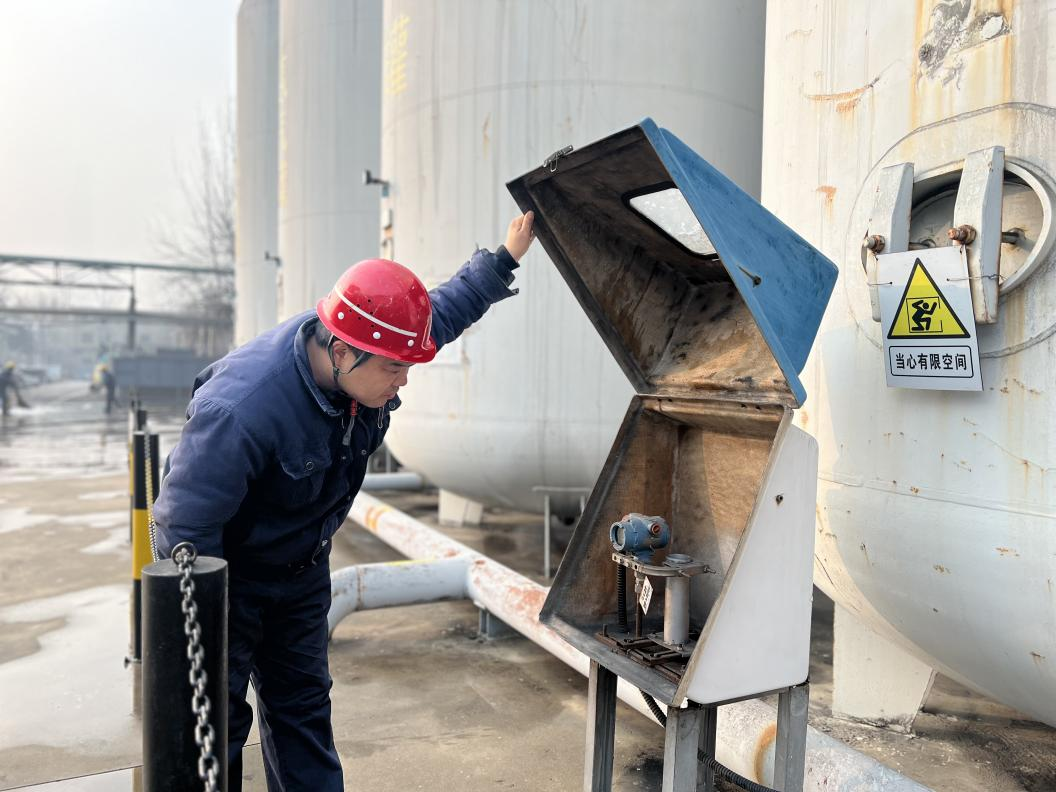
144 492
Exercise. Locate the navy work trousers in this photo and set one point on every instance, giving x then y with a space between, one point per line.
277 636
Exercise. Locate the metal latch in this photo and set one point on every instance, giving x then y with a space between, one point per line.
550 163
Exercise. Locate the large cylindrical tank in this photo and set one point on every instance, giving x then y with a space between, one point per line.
329 132
478 93
257 164
936 510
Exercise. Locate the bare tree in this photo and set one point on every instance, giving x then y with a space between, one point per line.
206 236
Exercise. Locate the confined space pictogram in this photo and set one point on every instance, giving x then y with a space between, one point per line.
923 312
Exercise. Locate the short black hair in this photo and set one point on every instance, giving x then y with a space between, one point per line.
322 335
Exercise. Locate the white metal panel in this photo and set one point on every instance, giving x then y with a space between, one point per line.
757 637
257 161
329 105
936 512
477 93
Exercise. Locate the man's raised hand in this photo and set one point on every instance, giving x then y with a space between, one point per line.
520 234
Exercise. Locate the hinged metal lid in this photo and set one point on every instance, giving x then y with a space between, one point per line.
697 289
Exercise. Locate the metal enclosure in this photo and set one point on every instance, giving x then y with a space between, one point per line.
329 132
936 511
475 93
710 309
257 162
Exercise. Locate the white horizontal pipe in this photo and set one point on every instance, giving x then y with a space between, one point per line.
370 586
392 481
745 730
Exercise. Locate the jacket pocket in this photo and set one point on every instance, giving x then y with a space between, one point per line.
299 477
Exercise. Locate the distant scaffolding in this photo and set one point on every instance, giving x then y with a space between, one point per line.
211 319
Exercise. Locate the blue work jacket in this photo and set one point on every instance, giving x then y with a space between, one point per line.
261 474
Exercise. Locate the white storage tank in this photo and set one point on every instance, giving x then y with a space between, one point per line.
329 131
477 93
936 510
257 164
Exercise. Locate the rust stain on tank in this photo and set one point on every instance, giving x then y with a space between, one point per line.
1007 551
1037 658
844 100
829 192
941 569
766 739
1027 388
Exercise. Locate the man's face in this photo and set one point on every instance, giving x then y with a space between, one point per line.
373 383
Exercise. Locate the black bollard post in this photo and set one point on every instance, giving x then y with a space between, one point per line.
170 755
143 496
137 422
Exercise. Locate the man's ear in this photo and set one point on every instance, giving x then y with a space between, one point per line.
342 353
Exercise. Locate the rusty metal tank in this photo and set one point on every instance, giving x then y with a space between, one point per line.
936 510
474 94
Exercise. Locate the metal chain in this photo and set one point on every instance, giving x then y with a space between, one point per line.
148 476
184 555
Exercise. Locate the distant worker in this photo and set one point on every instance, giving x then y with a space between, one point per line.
273 452
109 384
9 382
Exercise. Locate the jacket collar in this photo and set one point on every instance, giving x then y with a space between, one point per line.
300 357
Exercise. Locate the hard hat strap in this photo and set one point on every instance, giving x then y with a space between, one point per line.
361 358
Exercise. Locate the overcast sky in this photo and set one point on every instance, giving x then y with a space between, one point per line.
100 103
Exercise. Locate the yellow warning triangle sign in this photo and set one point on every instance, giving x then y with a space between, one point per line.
923 312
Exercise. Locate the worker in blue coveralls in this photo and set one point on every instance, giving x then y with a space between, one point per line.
274 450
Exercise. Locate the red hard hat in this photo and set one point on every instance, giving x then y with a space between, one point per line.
380 306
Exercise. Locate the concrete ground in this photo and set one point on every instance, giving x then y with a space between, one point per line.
420 701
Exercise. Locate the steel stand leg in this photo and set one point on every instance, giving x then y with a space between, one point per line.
681 741
708 729
546 536
790 746
601 729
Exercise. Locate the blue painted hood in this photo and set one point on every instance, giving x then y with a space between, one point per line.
731 313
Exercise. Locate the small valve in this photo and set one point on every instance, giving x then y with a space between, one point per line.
639 535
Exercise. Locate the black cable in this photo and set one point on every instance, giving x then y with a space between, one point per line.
703 758
621 596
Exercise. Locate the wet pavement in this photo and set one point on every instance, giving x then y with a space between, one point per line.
420 701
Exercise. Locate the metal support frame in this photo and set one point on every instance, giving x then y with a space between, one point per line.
70 273
601 729
790 745
708 734
491 627
546 535
682 738
547 492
